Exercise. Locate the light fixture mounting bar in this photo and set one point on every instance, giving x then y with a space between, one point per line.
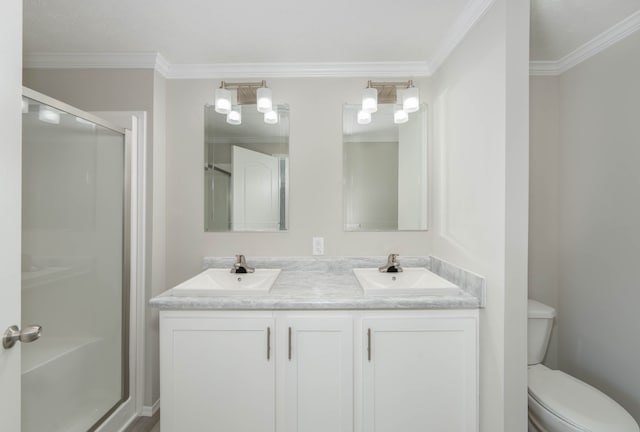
246 91
388 90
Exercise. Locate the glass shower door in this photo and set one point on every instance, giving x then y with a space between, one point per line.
74 277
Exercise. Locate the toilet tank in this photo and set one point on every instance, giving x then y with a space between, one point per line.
539 325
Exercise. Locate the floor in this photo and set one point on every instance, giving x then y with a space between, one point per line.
145 424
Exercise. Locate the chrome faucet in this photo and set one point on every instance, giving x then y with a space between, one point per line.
392 265
240 266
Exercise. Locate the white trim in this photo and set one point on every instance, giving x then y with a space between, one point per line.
136 121
149 411
544 68
87 60
471 14
604 40
297 70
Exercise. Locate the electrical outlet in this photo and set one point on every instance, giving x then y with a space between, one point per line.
318 246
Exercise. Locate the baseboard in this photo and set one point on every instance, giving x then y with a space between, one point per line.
149 411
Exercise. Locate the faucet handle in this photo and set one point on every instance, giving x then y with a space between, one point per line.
240 259
393 258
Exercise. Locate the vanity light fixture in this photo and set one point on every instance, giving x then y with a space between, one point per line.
271 117
25 106
403 94
235 115
399 115
410 99
370 99
245 93
364 117
263 99
223 100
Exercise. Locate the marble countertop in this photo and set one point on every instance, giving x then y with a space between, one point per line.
329 283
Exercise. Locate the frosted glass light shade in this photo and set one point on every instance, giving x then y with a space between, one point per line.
25 106
364 117
370 100
410 100
271 117
223 101
48 115
234 116
264 100
399 115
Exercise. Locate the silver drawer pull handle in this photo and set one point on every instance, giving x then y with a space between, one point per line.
13 335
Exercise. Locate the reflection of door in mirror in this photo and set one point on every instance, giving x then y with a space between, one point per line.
256 191
385 171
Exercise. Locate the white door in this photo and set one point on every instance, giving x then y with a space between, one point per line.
419 375
10 181
216 374
318 373
256 191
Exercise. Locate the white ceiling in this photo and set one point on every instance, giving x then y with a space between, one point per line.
250 31
298 31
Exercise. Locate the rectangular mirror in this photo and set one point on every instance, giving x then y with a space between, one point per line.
384 171
246 171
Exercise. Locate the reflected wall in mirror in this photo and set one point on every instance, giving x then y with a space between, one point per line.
246 171
384 171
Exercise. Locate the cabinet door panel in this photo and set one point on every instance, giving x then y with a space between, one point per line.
421 376
319 375
218 376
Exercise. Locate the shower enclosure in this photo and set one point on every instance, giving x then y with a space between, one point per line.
75 273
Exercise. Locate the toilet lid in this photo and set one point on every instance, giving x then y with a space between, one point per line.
578 403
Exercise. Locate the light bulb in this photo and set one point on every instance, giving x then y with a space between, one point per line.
399 115
234 116
271 117
364 117
370 100
223 101
48 115
263 100
410 99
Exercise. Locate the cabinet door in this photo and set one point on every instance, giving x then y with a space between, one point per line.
420 375
318 388
217 374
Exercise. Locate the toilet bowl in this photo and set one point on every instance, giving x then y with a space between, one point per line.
559 402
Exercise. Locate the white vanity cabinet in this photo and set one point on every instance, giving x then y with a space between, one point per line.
420 374
319 371
217 373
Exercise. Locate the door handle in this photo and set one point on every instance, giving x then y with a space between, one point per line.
13 335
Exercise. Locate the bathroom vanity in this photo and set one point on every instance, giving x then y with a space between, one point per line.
316 354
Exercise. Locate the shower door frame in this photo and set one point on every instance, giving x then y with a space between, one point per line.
129 390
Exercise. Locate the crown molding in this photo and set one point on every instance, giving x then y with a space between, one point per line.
604 40
86 60
298 70
471 14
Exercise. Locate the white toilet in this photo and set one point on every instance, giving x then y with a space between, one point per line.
559 402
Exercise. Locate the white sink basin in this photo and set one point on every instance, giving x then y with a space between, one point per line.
221 282
412 281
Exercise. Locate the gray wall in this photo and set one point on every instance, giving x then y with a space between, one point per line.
598 291
315 172
544 198
599 221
